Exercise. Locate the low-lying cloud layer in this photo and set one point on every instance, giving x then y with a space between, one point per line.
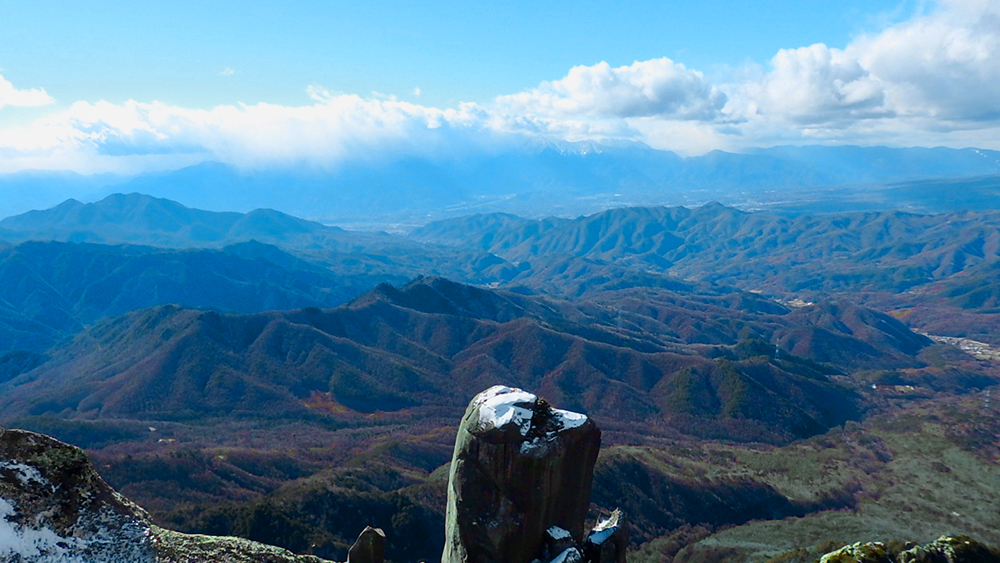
931 80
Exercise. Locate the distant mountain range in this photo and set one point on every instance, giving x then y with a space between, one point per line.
69 266
554 179
654 283
142 219
889 251
76 263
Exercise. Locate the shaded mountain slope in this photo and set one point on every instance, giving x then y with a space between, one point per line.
660 501
429 345
19 331
50 290
977 288
314 515
822 332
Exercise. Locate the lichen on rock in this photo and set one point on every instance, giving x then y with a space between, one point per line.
951 549
174 547
871 552
946 549
54 507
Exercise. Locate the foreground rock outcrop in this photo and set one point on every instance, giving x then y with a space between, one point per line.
947 549
519 487
55 508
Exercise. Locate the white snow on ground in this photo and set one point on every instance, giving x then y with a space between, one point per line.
100 536
498 406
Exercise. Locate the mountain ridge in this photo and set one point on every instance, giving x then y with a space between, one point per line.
136 218
891 250
63 286
426 345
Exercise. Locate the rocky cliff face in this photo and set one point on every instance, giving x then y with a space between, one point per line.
54 508
520 481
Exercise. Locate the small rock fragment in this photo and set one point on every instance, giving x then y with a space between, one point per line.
608 541
570 555
557 540
369 547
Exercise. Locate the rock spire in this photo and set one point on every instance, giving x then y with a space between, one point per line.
520 481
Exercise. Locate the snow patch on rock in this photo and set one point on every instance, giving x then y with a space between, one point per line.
26 474
598 537
500 405
571 555
109 541
557 533
569 419
605 528
19 543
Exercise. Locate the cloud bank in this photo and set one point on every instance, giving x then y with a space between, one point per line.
931 80
11 96
647 88
934 79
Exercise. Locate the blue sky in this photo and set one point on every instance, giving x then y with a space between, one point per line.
127 87
473 51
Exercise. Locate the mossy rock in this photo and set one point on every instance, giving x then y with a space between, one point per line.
871 552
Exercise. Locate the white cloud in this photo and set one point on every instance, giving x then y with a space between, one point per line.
813 84
939 67
11 96
228 71
658 87
106 137
931 80
944 65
